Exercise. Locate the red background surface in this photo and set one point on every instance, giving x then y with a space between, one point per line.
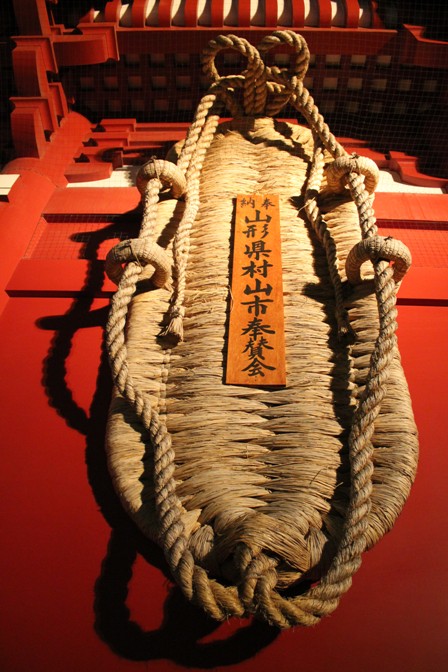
82 589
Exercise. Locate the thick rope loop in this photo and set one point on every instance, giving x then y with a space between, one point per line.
283 82
228 83
378 248
144 252
224 89
299 63
313 186
258 79
254 74
259 565
338 170
170 176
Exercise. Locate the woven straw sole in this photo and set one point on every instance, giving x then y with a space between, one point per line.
264 468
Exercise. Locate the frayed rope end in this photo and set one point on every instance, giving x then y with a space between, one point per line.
175 326
346 333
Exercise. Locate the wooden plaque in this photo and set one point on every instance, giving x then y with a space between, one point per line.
256 343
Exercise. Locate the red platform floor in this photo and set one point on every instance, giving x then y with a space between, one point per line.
82 589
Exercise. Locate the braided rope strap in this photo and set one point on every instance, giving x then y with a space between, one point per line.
253 82
151 179
257 590
287 86
217 601
374 249
313 185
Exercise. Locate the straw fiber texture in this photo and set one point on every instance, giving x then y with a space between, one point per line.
263 500
264 468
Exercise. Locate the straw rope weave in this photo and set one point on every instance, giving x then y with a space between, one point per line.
251 491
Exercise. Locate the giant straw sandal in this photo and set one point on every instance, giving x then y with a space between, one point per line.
262 498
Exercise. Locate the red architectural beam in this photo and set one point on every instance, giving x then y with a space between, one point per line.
164 13
345 41
243 13
298 13
32 17
138 13
418 50
324 13
352 13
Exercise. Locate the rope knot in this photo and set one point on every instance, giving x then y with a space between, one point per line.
252 80
378 248
168 174
258 79
290 76
337 172
142 251
284 83
178 311
175 323
257 576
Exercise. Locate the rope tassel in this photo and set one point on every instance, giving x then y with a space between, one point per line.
175 326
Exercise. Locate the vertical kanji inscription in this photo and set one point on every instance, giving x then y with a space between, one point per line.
256 344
